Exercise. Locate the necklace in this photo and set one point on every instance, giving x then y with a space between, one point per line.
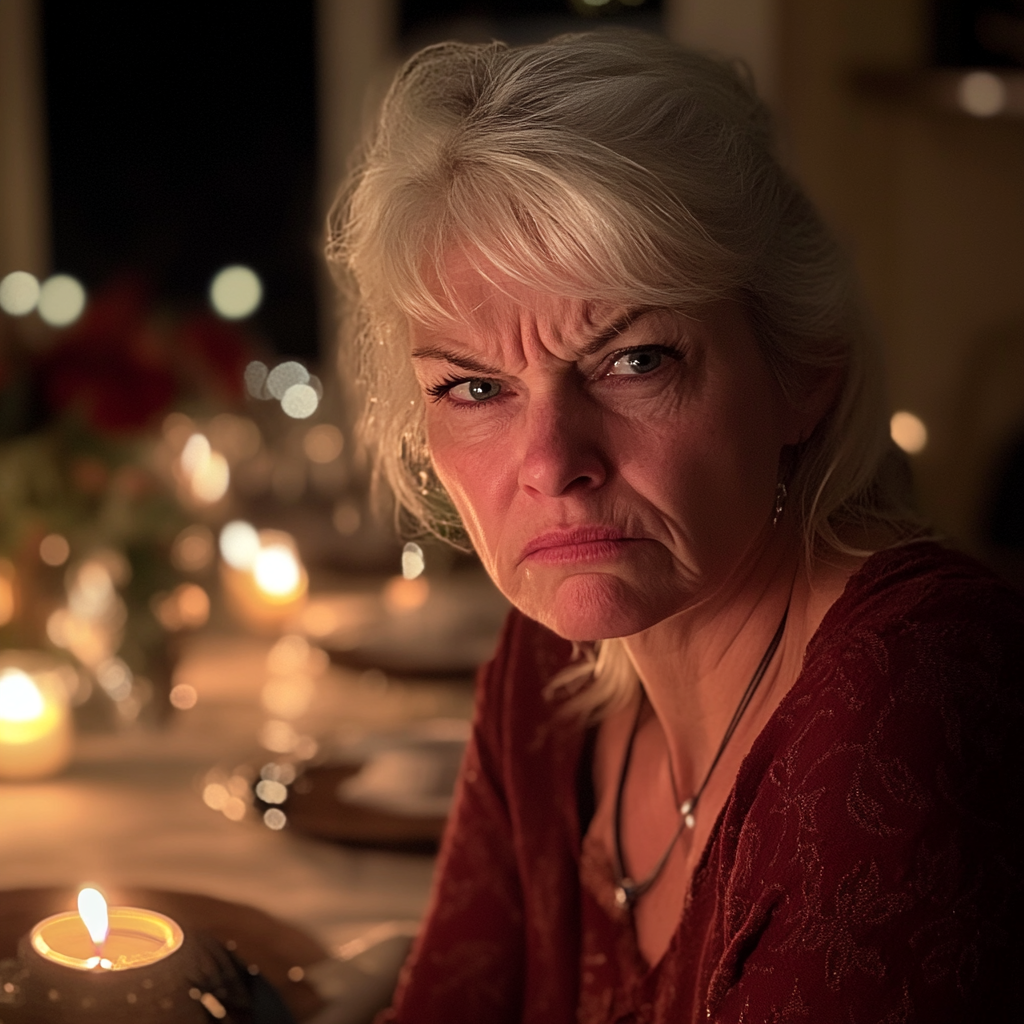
628 891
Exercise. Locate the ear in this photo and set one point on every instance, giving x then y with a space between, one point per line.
819 393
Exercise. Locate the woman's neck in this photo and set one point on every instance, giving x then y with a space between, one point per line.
696 665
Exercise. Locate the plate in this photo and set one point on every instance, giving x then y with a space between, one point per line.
386 789
418 628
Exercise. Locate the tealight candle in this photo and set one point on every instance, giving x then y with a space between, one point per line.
96 938
104 965
35 725
268 587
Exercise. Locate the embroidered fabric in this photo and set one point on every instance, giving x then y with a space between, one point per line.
866 867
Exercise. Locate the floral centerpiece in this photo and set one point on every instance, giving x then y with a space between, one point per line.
89 513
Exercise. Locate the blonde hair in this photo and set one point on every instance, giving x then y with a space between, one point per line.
611 167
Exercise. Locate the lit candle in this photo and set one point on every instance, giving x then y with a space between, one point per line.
95 938
107 965
264 581
35 726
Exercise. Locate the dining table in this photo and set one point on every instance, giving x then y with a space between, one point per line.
133 813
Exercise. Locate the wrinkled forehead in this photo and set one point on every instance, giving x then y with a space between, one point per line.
473 297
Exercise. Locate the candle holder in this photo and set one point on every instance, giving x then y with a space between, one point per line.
150 972
245 958
268 588
36 738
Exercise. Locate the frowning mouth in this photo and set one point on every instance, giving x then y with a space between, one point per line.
584 544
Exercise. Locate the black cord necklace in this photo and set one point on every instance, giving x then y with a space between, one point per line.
628 891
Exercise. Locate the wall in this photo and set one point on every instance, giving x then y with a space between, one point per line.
24 225
931 203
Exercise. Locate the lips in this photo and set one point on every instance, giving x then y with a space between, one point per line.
583 544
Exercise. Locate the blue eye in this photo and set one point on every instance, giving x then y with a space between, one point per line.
639 361
474 390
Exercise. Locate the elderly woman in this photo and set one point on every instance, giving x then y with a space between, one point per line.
749 743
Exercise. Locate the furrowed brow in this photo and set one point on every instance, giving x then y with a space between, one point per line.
607 334
455 358
614 329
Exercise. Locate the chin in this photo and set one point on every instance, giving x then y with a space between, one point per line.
593 606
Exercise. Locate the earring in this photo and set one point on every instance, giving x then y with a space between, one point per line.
780 502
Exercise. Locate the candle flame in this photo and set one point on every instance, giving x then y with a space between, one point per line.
20 699
277 571
92 908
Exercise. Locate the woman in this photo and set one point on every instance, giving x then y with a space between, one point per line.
745 752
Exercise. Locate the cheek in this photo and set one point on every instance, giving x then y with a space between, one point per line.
711 471
476 478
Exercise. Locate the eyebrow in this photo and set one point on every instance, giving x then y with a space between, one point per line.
602 338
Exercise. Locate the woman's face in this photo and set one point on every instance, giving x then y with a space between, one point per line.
613 466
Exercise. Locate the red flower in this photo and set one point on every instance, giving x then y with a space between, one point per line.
111 366
219 351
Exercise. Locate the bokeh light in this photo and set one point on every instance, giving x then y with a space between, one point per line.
276 570
192 550
323 443
234 808
186 607
981 93
116 678
19 293
61 300
236 292
256 379
909 432
284 773
300 401
20 699
285 375
195 452
184 697
274 818
413 562
206 470
91 591
402 595
239 544
271 791
215 796
193 605
54 549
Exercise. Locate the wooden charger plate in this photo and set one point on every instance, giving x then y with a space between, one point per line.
256 938
313 809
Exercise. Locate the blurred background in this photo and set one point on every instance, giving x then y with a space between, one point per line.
189 571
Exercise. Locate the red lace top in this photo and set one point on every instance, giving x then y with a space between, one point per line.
865 867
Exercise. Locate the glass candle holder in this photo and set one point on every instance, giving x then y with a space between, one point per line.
36 736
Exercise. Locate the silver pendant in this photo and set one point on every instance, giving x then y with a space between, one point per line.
625 893
686 812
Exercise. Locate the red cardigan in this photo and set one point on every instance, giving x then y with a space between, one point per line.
864 869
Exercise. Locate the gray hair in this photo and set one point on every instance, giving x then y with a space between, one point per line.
612 167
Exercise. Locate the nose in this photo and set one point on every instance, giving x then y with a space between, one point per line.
563 450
